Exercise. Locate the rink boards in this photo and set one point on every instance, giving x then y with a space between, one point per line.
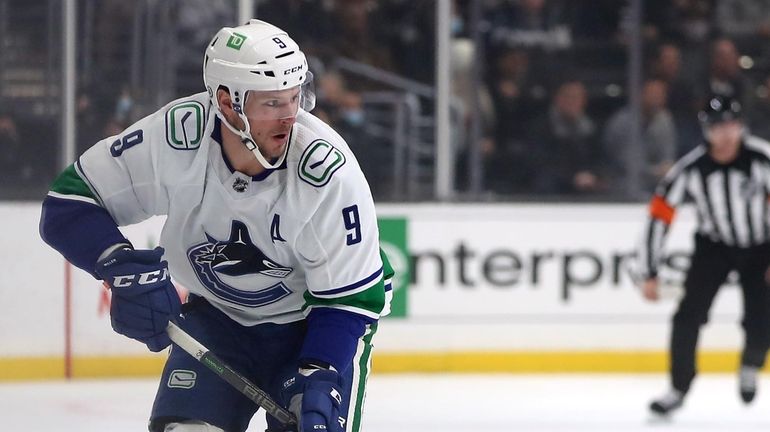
511 288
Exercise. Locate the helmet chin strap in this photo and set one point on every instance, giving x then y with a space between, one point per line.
248 141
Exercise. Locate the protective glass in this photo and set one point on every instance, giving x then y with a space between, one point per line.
280 104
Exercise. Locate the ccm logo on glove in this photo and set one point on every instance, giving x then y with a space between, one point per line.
143 297
144 278
313 395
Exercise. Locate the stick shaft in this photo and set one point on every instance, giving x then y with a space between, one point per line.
190 345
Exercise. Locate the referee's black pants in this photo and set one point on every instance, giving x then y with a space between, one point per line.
710 266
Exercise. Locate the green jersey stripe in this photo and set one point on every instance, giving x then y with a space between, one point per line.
362 364
371 300
387 268
70 183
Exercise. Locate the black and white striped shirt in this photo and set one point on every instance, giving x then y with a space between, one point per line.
731 200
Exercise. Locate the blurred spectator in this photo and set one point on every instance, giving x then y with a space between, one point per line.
462 58
90 122
357 37
518 93
341 106
667 67
533 31
112 127
658 140
470 96
517 99
683 101
725 75
343 109
124 106
688 23
411 36
569 157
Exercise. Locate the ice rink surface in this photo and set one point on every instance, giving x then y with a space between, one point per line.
424 403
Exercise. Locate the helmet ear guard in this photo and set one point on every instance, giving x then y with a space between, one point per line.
257 58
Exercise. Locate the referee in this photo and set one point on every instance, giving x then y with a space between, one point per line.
728 179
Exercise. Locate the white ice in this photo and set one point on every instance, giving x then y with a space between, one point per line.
423 403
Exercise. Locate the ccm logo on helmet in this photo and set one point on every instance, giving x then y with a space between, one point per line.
292 70
144 278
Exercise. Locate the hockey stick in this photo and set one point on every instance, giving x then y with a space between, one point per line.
190 345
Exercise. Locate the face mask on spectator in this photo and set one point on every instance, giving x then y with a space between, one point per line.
457 25
353 117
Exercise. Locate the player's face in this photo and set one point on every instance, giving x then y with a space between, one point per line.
271 116
724 140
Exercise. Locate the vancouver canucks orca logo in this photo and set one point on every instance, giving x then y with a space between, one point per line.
237 256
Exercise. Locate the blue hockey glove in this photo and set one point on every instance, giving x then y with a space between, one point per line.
314 396
143 297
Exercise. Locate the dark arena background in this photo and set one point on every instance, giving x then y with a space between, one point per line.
512 148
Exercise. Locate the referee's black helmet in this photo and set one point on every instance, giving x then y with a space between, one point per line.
720 108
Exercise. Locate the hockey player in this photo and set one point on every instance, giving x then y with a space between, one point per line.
270 226
728 178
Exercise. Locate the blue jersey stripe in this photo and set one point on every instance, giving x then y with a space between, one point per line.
352 286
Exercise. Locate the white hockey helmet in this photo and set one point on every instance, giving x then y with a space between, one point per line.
258 57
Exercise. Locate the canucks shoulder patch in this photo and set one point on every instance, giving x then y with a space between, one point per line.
319 162
184 125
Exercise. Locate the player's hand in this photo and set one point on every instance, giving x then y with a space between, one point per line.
143 297
314 396
650 289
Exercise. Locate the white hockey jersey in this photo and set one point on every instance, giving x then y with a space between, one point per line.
263 249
